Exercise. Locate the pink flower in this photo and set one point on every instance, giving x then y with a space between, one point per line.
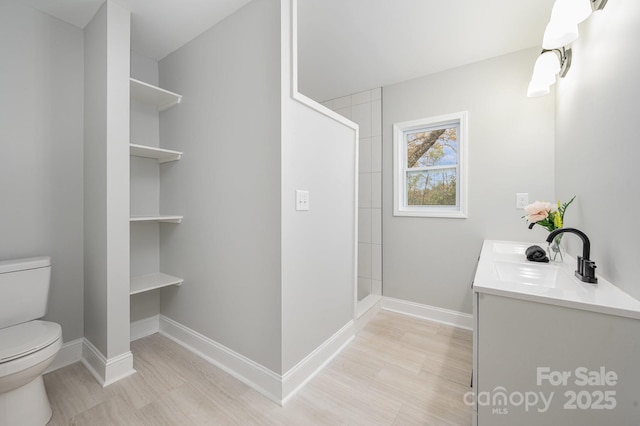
539 210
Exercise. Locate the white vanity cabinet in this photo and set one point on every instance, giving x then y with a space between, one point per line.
549 349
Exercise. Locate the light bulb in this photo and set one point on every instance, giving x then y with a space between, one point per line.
536 89
577 10
563 25
558 34
549 64
546 68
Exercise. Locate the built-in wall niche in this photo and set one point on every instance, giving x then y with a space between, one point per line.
145 167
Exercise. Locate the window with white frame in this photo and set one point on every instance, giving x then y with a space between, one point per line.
430 167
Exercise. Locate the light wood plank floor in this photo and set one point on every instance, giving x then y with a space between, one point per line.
397 371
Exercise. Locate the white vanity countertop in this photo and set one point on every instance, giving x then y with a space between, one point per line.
503 270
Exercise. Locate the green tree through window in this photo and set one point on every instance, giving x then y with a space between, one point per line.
430 170
431 167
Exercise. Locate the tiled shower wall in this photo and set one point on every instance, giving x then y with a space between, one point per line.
365 109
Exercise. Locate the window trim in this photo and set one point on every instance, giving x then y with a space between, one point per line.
400 206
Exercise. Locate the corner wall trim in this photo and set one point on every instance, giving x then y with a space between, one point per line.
367 309
272 385
106 371
242 368
431 313
294 379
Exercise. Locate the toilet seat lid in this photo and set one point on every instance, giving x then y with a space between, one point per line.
23 339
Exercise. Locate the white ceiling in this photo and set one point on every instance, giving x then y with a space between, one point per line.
158 27
346 46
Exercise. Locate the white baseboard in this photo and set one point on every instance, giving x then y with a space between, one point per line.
278 388
106 371
294 379
71 352
431 313
366 310
144 327
242 368
272 385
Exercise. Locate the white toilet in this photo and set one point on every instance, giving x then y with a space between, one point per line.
27 346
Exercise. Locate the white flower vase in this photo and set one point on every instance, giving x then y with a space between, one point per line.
555 250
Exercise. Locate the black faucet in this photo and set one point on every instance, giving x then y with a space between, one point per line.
586 268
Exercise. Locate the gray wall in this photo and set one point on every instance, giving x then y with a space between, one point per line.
266 281
95 183
597 136
319 154
227 184
41 134
318 246
106 185
511 143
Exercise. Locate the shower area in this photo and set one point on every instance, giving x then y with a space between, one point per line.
365 109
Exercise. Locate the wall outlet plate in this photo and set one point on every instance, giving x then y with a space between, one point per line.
302 200
522 199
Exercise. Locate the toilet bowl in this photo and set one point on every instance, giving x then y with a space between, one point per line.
27 350
27 345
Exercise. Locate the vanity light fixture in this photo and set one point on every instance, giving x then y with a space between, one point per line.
549 64
561 31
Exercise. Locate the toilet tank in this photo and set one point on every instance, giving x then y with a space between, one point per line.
24 289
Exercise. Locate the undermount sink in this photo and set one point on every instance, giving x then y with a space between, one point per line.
509 248
538 274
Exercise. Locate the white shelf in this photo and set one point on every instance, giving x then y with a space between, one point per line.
152 95
152 281
160 154
163 218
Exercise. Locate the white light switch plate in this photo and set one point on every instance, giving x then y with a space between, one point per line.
522 199
302 200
